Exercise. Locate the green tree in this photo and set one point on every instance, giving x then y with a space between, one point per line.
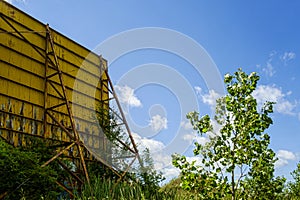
22 175
147 174
144 172
238 150
261 184
293 188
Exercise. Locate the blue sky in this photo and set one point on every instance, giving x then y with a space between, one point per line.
261 36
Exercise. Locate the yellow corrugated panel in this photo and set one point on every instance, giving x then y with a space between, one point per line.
22 78
20 17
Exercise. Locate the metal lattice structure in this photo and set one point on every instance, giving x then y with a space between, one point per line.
44 78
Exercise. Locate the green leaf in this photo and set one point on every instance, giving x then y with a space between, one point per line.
240 143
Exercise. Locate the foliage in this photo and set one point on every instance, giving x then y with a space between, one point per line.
111 125
144 173
293 188
117 137
261 182
110 190
237 151
97 168
22 175
145 179
147 176
173 190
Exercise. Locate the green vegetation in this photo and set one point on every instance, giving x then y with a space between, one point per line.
293 188
22 175
237 162
108 189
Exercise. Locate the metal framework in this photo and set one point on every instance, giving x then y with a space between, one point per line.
52 61
54 82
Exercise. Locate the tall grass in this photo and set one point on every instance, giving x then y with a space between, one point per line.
105 189
108 189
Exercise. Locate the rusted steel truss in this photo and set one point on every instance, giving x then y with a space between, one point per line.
52 60
54 81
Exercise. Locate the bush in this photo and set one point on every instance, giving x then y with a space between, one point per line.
22 175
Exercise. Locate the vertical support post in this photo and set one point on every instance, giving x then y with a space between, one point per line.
45 83
70 114
59 73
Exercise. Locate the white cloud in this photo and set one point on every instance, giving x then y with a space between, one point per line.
198 90
194 137
210 98
158 123
162 161
287 56
186 125
189 137
274 58
151 144
271 93
285 107
202 140
267 93
269 69
170 173
280 163
126 95
198 159
283 158
287 155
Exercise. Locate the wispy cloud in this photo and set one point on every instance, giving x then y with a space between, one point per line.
198 90
287 56
284 157
186 125
268 68
272 93
276 59
158 123
126 96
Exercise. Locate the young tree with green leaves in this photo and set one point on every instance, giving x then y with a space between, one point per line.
144 172
237 158
293 188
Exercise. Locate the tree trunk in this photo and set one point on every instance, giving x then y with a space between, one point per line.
232 184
